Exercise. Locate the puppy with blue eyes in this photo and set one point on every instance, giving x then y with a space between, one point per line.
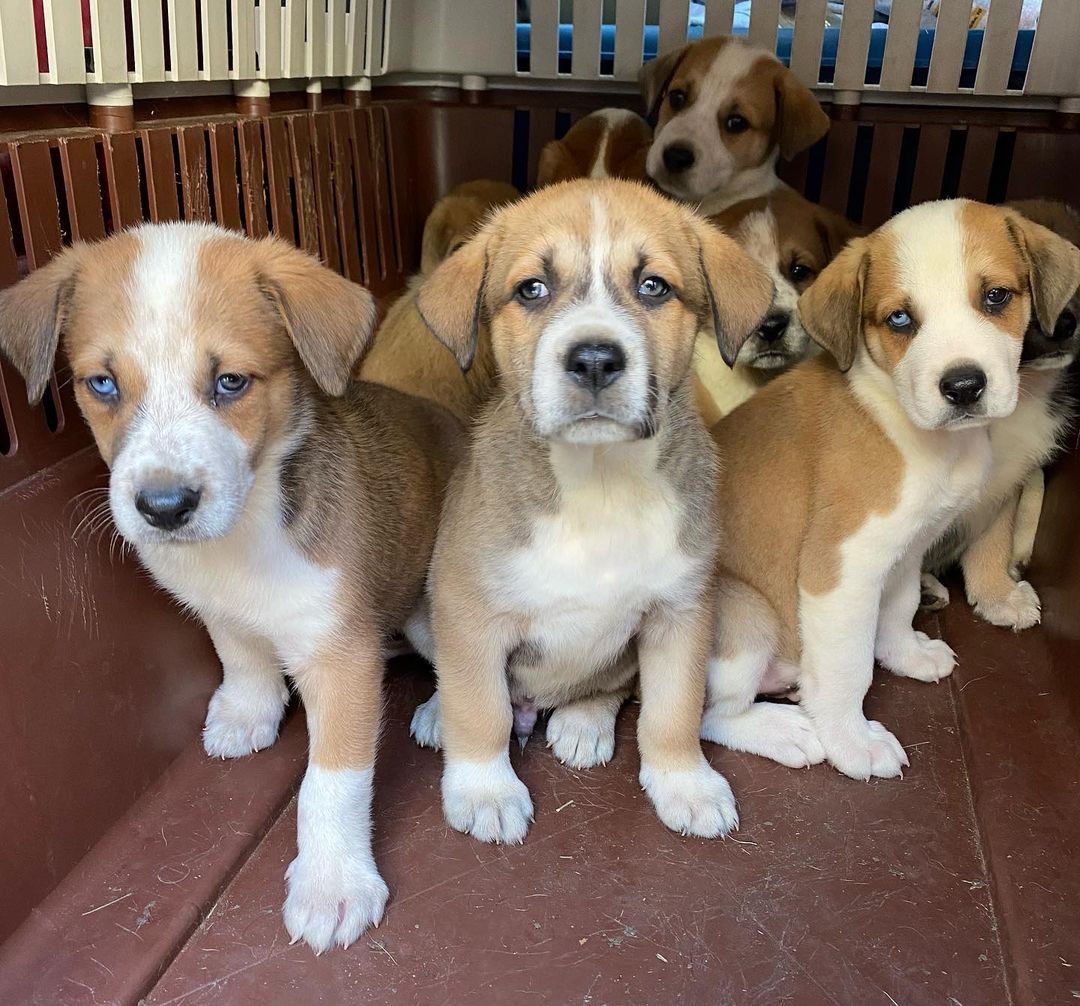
578 540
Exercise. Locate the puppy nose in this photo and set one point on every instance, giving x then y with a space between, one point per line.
169 507
773 327
1065 327
963 385
595 365
678 158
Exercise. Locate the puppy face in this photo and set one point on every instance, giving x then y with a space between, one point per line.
722 109
594 292
190 349
609 143
458 216
794 240
939 298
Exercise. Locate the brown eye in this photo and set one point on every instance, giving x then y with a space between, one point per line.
736 124
997 297
799 273
677 99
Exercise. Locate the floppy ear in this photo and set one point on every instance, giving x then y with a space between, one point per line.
451 300
32 314
654 77
831 309
834 230
738 290
1054 268
329 319
801 121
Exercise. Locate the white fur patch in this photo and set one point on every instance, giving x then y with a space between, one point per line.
695 801
486 800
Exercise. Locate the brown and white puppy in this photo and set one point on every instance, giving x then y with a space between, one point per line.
608 143
838 476
794 239
994 541
577 544
723 112
403 354
292 510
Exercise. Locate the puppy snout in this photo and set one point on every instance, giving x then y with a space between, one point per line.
963 385
595 365
1065 327
678 158
167 507
773 327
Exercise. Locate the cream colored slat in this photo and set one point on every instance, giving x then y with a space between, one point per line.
110 42
629 38
183 45
380 22
544 38
243 56
215 40
335 43
901 43
149 40
18 44
292 38
586 61
1054 68
999 43
64 40
269 15
674 17
355 32
315 65
718 17
854 45
806 43
950 38
764 17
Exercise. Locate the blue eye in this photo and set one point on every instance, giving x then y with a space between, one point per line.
532 289
231 385
899 320
654 288
102 385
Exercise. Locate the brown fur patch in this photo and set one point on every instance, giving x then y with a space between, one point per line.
625 145
458 215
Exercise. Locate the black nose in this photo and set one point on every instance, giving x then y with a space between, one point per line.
678 158
595 365
1065 327
168 508
963 385
773 327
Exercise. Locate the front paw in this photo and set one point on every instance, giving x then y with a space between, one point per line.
918 656
1017 610
695 801
332 901
864 751
933 594
424 727
243 719
581 736
486 800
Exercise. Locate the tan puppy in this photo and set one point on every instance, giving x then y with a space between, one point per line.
995 540
794 239
609 143
293 511
578 539
404 355
838 476
723 112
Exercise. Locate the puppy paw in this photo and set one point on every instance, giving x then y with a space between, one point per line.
1019 609
425 724
864 752
918 656
934 595
582 735
773 730
695 801
243 720
486 800
331 901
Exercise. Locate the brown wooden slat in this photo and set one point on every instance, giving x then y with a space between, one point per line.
344 197
9 266
299 130
160 174
253 178
322 161
192 145
39 211
930 163
839 155
279 177
383 225
978 160
794 171
1045 165
79 159
122 171
881 178
374 268
224 171
396 203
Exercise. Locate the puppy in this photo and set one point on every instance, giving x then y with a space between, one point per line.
609 143
578 538
839 474
292 510
794 239
404 355
994 541
723 112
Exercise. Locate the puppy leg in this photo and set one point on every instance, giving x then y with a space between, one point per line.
689 796
1028 512
899 647
993 594
245 712
747 636
934 595
425 722
582 733
334 889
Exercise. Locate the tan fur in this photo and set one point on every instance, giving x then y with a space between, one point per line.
458 215
624 146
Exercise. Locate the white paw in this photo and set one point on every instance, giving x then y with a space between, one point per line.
332 901
486 800
242 720
865 751
773 730
582 735
1020 609
934 595
918 656
425 724
695 801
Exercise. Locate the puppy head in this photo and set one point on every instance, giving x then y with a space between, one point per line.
940 298
1058 346
457 216
794 239
593 292
191 349
722 108
609 143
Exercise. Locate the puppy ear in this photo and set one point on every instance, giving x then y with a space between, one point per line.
831 309
801 121
834 230
556 164
451 300
1054 268
654 77
32 314
329 319
737 289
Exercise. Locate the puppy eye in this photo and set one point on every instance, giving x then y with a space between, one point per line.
532 289
677 99
736 124
230 385
899 321
103 386
653 288
800 273
997 297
